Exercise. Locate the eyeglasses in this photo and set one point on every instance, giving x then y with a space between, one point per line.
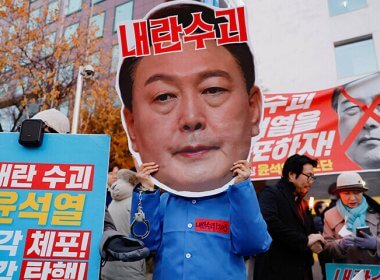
310 178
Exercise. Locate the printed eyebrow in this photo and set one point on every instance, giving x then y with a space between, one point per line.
202 76
214 73
158 77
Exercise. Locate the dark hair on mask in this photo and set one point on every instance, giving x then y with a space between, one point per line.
295 165
240 51
335 97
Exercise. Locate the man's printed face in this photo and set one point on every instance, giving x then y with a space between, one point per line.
193 116
365 148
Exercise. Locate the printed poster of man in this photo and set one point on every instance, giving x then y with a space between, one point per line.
190 103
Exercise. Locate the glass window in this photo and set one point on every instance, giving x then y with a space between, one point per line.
21 86
70 31
73 6
123 12
95 59
33 17
65 74
96 1
3 90
64 107
355 58
20 3
48 48
52 14
337 7
115 58
7 117
97 23
6 66
27 56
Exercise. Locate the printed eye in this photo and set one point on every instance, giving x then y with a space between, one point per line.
164 97
352 110
213 90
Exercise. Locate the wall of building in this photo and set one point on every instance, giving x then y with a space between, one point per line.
294 41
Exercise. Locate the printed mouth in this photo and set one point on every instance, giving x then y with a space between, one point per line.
365 140
195 151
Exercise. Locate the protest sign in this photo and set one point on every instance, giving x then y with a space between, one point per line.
52 206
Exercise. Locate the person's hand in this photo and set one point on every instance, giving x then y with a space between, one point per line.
346 242
240 169
123 248
366 242
143 173
315 237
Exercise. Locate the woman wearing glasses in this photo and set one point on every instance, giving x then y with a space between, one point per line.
352 227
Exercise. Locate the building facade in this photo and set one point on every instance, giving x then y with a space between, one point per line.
310 45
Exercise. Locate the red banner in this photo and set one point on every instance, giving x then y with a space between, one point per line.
341 130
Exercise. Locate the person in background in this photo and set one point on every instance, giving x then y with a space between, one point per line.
332 195
56 121
290 224
195 113
120 210
111 179
114 245
346 242
319 207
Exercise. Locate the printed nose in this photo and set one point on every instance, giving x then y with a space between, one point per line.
371 124
192 115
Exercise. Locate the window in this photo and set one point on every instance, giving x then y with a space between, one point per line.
97 23
95 59
65 74
6 66
20 3
355 58
48 48
337 7
3 90
27 54
33 19
64 108
7 117
115 58
52 13
123 12
96 1
21 86
70 32
73 6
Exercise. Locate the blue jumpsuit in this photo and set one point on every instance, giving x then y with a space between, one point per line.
204 238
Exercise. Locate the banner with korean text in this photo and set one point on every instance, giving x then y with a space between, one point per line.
338 126
52 206
336 271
